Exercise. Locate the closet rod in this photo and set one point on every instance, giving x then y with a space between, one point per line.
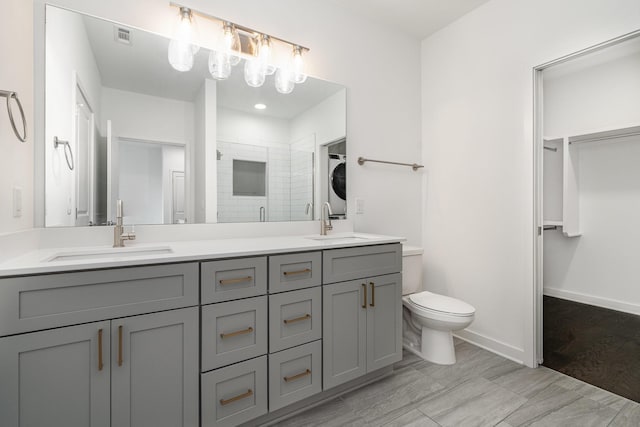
554 149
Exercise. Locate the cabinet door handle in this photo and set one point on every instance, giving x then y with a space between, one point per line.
233 281
120 345
297 319
373 294
297 376
100 364
236 333
364 295
293 273
224 402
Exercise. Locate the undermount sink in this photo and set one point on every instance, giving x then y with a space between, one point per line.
339 237
109 253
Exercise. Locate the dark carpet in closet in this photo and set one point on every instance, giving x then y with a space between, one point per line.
593 344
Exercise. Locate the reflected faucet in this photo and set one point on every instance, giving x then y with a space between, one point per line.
308 208
119 236
325 219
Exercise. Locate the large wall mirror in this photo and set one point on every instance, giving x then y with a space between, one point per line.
179 147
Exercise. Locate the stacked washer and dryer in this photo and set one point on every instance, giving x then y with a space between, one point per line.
338 185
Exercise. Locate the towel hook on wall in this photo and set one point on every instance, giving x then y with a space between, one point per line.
12 95
67 149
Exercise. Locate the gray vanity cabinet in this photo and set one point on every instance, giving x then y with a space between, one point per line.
362 327
135 371
154 369
362 318
54 378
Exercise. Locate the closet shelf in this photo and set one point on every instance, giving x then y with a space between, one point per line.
605 135
550 222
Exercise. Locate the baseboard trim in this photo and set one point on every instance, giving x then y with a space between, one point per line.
593 300
498 347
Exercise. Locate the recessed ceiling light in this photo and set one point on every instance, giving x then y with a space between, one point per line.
259 106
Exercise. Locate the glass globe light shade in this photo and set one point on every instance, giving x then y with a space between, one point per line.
253 73
297 63
183 46
232 43
284 81
180 55
219 65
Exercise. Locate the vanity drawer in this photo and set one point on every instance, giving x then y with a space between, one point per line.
294 271
235 394
295 374
32 303
233 331
340 265
295 318
233 279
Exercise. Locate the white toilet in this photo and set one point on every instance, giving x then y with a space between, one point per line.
429 318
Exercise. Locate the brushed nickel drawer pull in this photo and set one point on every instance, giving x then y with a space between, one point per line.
237 280
364 295
373 294
236 333
236 398
293 273
297 376
100 364
120 345
297 319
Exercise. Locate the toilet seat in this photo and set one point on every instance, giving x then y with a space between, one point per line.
442 304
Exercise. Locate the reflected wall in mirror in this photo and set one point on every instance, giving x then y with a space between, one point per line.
177 147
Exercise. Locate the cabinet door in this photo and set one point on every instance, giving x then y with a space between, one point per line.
344 333
154 369
384 321
54 378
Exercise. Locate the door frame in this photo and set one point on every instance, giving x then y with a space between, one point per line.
538 143
77 86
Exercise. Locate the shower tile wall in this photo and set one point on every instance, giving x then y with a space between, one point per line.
246 208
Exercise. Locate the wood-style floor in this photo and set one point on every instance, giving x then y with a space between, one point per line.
593 344
481 389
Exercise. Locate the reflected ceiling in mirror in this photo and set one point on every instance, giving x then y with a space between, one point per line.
165 141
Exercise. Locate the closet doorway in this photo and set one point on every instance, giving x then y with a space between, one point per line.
588 212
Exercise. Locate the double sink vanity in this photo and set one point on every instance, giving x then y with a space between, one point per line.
210 333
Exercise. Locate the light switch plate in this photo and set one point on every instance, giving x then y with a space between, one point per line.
359 206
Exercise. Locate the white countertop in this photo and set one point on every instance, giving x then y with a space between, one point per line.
41 261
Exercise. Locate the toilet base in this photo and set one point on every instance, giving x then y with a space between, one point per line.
437 346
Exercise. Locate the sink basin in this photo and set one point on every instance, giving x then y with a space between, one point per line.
109 253
339 237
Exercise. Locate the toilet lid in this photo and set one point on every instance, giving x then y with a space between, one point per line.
441 303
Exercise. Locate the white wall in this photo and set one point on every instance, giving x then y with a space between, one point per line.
69 61
150 118
134 115
477 128
16 74
255 129
601 266
173 158
140 180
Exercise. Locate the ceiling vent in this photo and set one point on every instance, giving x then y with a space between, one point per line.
122 35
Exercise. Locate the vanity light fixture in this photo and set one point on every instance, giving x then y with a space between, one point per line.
256 51
259 106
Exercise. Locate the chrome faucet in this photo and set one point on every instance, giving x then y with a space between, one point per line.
325 219
119 236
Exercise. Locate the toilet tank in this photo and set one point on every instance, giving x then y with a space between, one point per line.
411 269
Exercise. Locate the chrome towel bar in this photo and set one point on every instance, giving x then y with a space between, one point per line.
414 166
